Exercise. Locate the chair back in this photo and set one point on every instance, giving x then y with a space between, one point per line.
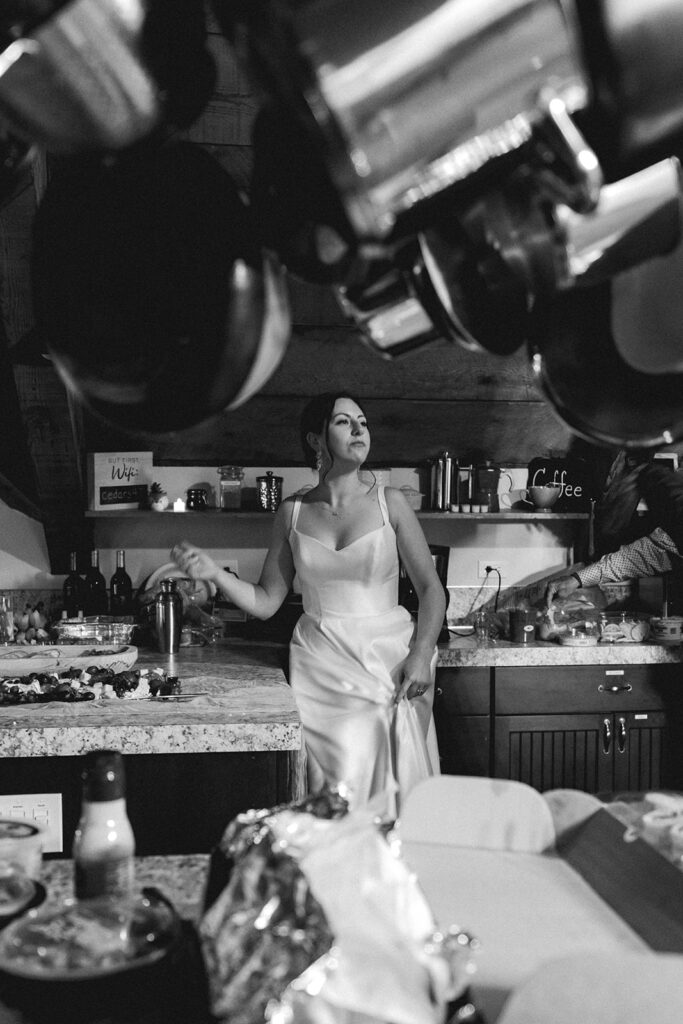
464 810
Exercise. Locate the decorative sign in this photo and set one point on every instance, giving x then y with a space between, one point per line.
574 476
118 480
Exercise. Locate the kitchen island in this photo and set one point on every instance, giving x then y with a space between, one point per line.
191 765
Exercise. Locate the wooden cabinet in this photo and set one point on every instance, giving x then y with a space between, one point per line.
462 714
594 728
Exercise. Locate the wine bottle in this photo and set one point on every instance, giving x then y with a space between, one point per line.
104 844
73 589
121 588
96 602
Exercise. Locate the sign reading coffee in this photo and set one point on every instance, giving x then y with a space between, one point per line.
574 476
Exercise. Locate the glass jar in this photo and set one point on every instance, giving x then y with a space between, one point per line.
230 487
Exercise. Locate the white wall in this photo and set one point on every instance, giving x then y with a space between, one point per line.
24 559
525 551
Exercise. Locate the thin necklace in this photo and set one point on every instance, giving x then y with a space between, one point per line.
340 513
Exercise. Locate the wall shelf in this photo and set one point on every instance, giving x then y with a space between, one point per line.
445 517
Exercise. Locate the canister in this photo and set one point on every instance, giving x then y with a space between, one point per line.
269 491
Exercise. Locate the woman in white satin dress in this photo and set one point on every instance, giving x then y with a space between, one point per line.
361 669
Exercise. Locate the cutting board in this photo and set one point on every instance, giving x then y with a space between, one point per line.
21 661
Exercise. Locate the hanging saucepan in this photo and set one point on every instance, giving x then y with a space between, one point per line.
295 207
584 345
92 75
157 307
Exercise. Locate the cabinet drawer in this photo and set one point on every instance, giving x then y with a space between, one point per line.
568 689
464 691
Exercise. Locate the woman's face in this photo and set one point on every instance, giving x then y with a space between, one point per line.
348 437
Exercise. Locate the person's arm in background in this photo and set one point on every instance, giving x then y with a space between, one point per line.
417 559
647 556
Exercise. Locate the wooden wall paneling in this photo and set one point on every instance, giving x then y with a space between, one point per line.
53 428
405 432
16 218
323 358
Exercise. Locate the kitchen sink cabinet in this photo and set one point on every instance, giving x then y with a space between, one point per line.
462 715
598 728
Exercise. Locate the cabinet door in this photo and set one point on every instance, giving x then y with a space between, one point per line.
463 725
641 751
556 751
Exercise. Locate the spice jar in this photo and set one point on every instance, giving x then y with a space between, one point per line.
269 491
230 487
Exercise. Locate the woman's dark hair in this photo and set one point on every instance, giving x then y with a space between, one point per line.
315 418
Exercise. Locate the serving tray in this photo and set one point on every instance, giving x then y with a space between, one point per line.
21 661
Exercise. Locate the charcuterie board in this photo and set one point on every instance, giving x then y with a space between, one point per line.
21 661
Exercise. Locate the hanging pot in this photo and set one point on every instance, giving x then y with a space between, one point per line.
575 343
100 74
157 308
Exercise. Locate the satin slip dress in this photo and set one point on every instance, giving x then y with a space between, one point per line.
346 657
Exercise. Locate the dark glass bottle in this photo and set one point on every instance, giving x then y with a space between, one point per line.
96 602
121 588
104 844
73 589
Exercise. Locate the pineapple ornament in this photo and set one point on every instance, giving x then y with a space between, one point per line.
158 498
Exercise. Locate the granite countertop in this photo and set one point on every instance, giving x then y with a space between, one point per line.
465 652
181 878
244 704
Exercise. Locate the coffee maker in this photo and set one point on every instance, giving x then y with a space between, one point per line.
406 592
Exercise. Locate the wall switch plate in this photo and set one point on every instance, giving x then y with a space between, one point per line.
43 808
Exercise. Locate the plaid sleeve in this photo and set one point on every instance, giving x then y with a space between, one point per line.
647 556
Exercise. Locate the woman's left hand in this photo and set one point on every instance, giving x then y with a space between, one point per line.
417 677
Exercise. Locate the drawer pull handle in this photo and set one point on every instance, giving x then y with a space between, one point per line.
621 735
615 688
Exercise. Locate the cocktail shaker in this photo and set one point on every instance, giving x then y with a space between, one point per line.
168 614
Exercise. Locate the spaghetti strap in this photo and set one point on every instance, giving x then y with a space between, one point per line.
383 504
295 513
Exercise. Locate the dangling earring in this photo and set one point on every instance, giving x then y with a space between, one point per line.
318 460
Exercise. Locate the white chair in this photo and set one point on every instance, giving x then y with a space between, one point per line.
464 810
595 988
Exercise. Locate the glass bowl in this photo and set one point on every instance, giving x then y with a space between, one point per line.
624 627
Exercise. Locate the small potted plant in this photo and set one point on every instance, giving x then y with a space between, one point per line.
158 498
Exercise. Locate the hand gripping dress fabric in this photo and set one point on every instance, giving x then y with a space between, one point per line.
346 658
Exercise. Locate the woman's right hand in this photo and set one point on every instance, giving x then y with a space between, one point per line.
194 562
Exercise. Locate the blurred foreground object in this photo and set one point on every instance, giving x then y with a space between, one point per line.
447 166
321 919
157 307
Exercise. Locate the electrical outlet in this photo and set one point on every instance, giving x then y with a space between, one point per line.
43 808
492 563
